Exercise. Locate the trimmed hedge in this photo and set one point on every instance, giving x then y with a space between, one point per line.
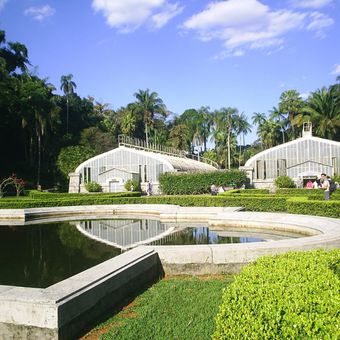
299 192
248 192
199 182
249 203
306 206
290 296
256 202
50 195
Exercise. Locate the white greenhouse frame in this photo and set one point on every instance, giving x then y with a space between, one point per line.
307 156
113 168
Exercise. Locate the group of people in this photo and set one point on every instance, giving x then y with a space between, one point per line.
325 183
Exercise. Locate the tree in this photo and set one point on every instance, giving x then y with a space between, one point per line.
280 118
203 125
38 113
291 104
242 128
67 86
270 133
323 110
179 137
148 104
222 132
71 156
259 119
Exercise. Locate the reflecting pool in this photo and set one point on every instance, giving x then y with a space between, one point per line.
41 255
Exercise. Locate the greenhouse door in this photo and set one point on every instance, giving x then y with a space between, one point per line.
114 186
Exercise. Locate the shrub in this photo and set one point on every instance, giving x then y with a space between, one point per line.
71 156
310 206
248 192
134 183
284 182
93 187
299 192
336 178
199 182
290 296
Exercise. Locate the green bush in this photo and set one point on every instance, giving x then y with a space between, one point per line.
199 182
52 195
134 183
248 192
284 182
290 296
336 178
250 203
299 192
309 206
93 187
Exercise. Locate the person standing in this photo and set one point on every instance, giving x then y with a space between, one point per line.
148 188
309 185
325 186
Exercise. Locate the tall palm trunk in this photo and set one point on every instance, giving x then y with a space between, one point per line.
67 108
228 144
39 156
146 135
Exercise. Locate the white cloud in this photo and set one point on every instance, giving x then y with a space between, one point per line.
40 13
2 4
310 3
249 24
227 54
336 69
128 15
170 10
318 22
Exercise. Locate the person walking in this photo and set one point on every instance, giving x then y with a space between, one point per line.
325 186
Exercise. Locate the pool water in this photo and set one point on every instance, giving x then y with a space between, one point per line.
41 255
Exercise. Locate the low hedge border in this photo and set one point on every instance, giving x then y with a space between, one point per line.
263 203
48 195
249 203
308 206
305 192
289 296
246 192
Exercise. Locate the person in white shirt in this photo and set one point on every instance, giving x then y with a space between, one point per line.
325 186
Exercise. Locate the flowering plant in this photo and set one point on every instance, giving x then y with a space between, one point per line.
18 183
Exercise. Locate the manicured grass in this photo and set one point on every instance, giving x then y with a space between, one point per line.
173 308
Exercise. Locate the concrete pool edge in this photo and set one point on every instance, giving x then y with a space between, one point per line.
60 311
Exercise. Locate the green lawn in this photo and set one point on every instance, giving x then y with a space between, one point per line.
174 308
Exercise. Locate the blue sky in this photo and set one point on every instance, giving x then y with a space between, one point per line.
193 53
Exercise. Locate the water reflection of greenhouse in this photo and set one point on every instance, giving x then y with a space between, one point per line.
129 233
125 233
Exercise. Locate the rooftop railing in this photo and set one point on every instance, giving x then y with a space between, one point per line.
140 144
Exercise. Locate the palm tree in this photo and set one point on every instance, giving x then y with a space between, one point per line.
222 131
67 86
281 119
323 110
259 119
39 113
203 125
149 104
242 128
291 104
270 133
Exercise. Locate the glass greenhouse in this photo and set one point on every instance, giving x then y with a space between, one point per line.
134 160
305 157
